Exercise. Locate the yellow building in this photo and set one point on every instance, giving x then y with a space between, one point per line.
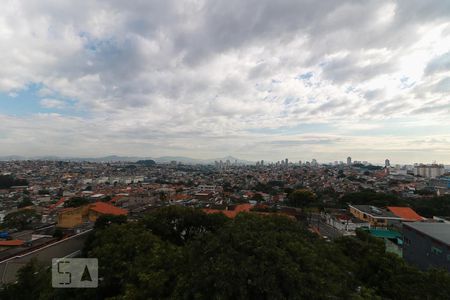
376 217
75 216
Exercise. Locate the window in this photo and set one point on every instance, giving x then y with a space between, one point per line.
436 250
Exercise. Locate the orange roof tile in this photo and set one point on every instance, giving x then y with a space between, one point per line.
243 207
60 201
11 243
107 209
230 213
406 213
116 198
181 197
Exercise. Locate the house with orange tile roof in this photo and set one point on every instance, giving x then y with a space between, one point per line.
76 216
230 213
57 204
406 213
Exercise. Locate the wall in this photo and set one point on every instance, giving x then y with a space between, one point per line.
420 250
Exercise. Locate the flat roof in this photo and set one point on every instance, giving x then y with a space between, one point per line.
375 212
438 231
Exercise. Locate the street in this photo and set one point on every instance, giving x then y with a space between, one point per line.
323 228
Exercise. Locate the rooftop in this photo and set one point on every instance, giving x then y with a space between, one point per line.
375 211
108 209
11 243
405 213
438 231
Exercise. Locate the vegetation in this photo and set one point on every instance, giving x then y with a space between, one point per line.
371 198
181 253
425 206
7 181
429 207
271 187
76 202
24 203
22 219
301 198
147 162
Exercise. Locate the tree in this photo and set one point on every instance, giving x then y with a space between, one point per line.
106 220
301 198
257 257
257 197
59 234
371 198
7 181
180 224
32 282
76 202
25 202
22 219
131 254
182 253
147 162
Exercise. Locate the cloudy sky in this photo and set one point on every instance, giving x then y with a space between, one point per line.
256 79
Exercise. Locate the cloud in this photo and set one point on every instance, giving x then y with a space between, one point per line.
200 77
52 103
438 64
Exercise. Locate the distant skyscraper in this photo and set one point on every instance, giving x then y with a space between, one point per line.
262 162
286 161
349 160
387 163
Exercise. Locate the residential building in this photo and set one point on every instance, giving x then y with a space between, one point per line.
76 216
375 216
429 171
406 213
427 245
345 222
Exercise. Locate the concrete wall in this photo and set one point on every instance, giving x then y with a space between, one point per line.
424 252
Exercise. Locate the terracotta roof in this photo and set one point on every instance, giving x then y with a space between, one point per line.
406 213
116 198
107 209
11 243
230 213
243 207
181 197
60 201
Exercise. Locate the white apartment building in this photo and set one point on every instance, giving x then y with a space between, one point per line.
429 171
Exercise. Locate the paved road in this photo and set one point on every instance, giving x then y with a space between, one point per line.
323 228
9 267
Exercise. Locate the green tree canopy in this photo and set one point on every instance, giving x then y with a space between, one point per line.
76 202
182 253
7 181
301 198
22 219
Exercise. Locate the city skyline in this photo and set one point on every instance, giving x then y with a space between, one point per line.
211 161
254 80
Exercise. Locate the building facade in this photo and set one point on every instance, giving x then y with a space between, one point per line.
429 171
427 245
375 216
